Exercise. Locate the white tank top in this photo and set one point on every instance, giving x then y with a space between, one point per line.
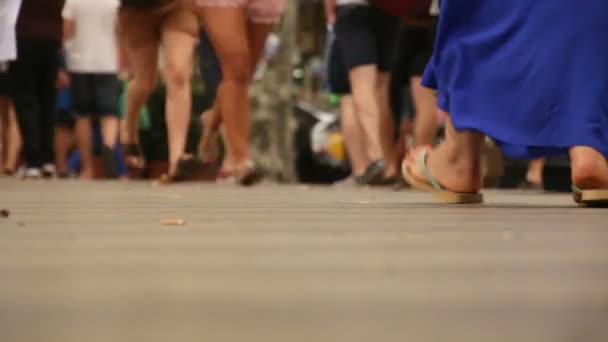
9 10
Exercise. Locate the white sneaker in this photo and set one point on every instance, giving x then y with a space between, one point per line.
32 173
48 171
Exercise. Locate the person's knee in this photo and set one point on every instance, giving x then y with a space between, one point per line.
236 67
177 79
365 98
143 84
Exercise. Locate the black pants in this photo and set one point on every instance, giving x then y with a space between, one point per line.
33 76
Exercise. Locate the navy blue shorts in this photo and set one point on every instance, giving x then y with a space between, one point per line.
4 79
337 73
366 36
95 94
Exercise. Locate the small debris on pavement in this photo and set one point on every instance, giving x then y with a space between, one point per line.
4 213
173 222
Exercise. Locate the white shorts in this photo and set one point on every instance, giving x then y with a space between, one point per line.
9 10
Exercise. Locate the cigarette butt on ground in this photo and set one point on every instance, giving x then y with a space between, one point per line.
173 222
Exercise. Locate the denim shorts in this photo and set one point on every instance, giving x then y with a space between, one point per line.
95 94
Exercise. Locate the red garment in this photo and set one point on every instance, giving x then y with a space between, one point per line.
405 8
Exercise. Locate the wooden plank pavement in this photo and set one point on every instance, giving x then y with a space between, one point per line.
91 262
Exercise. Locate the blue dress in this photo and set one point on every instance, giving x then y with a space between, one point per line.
532 74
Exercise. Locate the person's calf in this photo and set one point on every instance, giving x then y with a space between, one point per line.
110 127
84 137
62 145
138 92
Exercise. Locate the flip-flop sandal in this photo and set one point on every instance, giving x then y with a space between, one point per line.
431 184
186 166
594 198
251 176
225 177
133 151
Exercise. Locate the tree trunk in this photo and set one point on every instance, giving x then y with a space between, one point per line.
272 121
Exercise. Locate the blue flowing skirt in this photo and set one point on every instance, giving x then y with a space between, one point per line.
532 74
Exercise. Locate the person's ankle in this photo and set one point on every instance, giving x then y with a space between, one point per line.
86 173
458 174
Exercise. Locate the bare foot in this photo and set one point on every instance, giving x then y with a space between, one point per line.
208 149
589 168
452 172
535 171
86 175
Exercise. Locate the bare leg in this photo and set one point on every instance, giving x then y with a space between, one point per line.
256 36
232 49
387 125
144 60
178 50
535 171
405 129
10 135
110 126
456 162
353 137
363 80
425 123
3 130
84 136
589 168
63 143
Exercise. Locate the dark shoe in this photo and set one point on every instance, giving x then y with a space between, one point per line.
249 174
109 162
186 167
391 181
400 185
374 174
134 159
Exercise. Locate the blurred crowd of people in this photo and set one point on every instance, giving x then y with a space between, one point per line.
61 64
65 68
63 85
378 53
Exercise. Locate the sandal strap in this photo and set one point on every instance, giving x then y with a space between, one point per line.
421 161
